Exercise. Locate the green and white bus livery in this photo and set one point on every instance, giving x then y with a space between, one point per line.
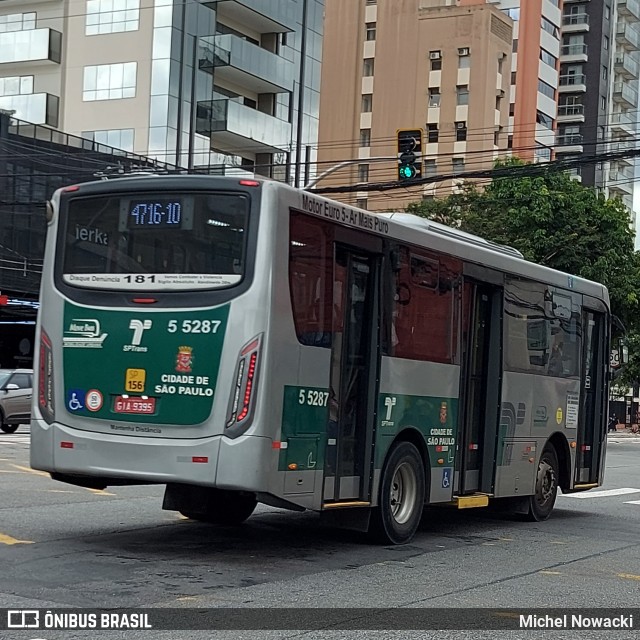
241 341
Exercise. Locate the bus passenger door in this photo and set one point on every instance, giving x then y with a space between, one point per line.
592 423
480 386
352 389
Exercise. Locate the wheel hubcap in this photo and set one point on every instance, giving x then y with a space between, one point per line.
403 493
546 482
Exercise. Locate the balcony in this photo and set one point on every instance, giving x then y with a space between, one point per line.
33 45
573 52
234 126
37 108
627 36
572 82
626 66
571 113
621 146
575 22
245 64
622 124
621 179
626 95
262 16
569 143
629 8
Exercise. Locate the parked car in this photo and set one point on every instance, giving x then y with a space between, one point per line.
15 398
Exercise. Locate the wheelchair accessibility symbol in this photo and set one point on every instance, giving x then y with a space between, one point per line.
75 399
446 477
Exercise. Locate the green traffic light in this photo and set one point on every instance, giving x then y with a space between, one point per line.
407 171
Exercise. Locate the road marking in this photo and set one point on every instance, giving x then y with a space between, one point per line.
628 576
99 492
551 573
633 502
557 542
602 494
4 539
30 470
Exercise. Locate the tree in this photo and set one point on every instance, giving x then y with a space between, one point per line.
554 220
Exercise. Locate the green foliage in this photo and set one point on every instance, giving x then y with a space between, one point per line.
553 220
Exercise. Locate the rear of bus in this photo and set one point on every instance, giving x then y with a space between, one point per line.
151 332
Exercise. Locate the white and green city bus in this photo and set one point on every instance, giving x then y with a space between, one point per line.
241 341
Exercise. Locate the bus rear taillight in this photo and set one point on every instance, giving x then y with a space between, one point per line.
243 391
45 379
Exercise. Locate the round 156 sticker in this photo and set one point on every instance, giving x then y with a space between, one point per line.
93 401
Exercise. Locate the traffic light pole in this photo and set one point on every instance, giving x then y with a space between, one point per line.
346 163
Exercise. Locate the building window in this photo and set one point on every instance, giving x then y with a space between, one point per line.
545 120
16 86
514 14
514 46
112 16
430 168
549 27
513 77
432 133
434 97
365 137
110 81
17 22
361 203
509 142
603 103
605 72
498 103
372 1
500 63
607 12
367 68
367 103
464 62
461 131
371 31
363 173
605 43
117 138
458 165
462 94
547 58
546 89
435 60
512 108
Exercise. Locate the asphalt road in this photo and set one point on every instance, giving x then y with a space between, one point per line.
62 546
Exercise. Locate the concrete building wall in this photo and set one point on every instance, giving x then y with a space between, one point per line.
436 67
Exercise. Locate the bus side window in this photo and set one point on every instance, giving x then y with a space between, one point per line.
311 280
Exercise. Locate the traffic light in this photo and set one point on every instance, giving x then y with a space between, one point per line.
409 154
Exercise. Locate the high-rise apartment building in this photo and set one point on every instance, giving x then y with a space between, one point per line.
623 117
221 85
401 64
586 70
534 75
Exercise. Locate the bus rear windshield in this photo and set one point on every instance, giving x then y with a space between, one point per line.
174 241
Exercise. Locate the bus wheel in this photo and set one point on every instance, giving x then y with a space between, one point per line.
542 501
225 508
402 490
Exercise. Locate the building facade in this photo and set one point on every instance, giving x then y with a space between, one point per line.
226 86
623 115
390 65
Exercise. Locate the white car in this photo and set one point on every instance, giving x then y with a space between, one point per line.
15 398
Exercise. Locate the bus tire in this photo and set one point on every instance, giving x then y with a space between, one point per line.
401 500
224 508
546 489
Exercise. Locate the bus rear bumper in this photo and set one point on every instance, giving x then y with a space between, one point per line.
71 454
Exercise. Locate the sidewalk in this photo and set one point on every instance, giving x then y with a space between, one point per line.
623 432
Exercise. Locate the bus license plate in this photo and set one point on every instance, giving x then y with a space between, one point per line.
134 405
